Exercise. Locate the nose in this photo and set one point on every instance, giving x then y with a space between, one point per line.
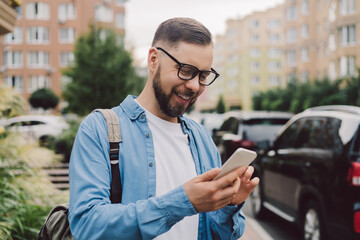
193 84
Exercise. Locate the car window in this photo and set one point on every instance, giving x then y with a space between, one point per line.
288 137
262 129
322 133
32 123
230 125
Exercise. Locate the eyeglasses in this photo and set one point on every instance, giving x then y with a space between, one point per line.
187 72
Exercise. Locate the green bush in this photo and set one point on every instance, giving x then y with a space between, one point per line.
63 144
26 193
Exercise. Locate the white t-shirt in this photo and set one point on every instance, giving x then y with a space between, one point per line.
174 167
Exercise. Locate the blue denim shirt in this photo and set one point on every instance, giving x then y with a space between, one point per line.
141 214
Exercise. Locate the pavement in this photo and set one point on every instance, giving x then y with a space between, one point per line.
253 231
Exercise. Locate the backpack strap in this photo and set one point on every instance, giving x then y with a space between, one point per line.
114 137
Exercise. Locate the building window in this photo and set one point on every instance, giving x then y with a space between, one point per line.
332 71
332 44
274 24
347 66
255 80
15 82
13 59
120 3
103 14
291 77
37 35
274 37
66 59
37 10
64 81
305 7
67 35
66 12
255 66
304 76
274 66
120 20
38 81
255 38
291 13
305 31
274 80
291 58
120 40
347 35
305 54
15 37
18 12
38 59
274 52
254 24
347 7
255 52
291 35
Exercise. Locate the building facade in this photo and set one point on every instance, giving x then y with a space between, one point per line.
42 41
300 40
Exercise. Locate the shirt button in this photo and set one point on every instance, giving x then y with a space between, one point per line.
142 115
234 234
148 135
151 164
150 195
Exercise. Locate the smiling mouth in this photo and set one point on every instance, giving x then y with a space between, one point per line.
186 98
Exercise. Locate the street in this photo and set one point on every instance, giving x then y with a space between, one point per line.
270 227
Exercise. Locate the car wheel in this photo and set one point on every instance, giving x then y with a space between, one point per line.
257 206
312 222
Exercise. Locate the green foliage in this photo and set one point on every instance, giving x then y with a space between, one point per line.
102 74
220 106
11 104
64 143
44 98
297 97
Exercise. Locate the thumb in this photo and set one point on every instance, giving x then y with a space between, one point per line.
209 175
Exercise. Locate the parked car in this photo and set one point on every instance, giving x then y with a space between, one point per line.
248 129
212 121
311 174
42 128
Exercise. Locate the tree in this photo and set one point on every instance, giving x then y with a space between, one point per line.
44 98
220 106
102 74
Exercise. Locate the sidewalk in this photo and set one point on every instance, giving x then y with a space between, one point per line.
253 231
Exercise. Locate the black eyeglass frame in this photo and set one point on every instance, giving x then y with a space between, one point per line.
195 73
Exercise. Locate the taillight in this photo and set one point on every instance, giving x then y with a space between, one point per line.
243 143
354 174
357 222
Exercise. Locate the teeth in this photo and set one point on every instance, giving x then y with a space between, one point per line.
183 97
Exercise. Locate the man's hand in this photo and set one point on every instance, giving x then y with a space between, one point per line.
207 195
246 186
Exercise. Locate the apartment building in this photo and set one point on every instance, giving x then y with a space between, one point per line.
248 58
298 39
42 41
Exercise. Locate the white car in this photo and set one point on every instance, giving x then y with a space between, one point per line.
37 127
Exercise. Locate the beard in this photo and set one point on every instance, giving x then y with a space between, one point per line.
164 100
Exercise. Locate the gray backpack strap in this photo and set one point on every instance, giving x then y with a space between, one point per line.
114 137
113 124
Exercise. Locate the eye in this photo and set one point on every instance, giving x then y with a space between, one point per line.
187 71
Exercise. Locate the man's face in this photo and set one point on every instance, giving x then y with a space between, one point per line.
174 95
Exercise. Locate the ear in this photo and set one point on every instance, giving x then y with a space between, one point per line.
153 59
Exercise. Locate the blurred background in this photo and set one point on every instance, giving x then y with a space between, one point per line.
277 59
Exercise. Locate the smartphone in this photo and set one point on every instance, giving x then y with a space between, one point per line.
240 158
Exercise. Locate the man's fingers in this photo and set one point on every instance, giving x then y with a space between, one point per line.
229 178
209 175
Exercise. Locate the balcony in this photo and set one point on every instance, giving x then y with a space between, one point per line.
7 15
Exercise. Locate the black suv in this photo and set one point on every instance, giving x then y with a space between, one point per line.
311 174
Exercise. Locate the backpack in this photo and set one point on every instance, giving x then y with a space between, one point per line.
56 226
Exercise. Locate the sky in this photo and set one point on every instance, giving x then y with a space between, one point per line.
142 17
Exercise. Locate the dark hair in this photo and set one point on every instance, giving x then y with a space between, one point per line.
177 30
